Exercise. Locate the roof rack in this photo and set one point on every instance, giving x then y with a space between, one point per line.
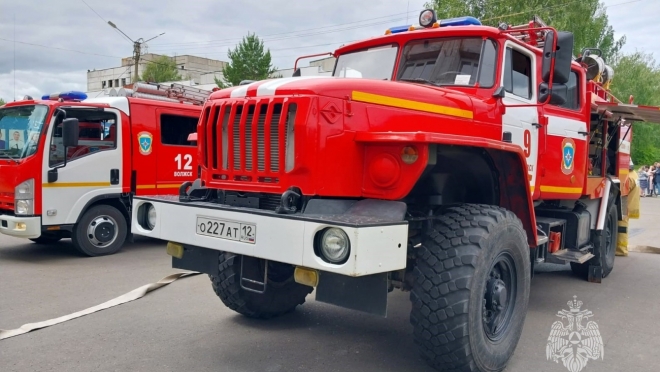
528 33
176 93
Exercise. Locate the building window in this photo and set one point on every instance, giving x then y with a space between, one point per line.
109 83
518 74
174 129
103 84
123 82
117 82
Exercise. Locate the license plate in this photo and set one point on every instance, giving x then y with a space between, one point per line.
230 230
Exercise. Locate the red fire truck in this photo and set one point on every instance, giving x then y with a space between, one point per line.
69 166
445 159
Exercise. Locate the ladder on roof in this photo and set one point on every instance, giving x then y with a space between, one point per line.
176 93
528 32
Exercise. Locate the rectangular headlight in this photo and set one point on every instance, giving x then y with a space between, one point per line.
25 191
23 207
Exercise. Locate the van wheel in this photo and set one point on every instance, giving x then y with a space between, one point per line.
101 231
604 243
471 289
283 294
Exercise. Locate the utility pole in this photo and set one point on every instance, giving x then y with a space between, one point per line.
137 49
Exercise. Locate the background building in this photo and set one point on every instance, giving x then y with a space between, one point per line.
195 71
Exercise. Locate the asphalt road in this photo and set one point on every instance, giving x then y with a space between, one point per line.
184 327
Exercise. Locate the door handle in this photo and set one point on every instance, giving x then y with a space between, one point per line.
584 133
537 125
114 176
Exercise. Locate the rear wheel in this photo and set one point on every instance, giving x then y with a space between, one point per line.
471 290
101 231
282 293
604 243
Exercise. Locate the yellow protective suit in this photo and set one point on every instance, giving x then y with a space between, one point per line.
633 212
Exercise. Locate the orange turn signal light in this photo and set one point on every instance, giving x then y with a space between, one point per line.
409 155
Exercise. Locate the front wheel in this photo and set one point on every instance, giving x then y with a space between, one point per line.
472 280
101 231
283 294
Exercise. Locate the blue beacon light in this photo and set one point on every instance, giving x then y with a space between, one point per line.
427 19
66 96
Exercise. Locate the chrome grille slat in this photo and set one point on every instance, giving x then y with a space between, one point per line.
248 138
236 136
275 138
261 138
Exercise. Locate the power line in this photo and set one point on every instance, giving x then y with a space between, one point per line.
103 19
401 15
64 49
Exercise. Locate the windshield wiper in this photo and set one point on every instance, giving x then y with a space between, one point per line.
421 80
7 154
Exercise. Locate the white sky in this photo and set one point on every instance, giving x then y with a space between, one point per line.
208 28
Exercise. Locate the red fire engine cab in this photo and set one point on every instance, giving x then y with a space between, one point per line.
445 160
70 165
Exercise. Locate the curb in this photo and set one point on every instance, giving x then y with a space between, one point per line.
644 249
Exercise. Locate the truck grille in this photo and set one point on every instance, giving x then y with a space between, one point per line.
250 137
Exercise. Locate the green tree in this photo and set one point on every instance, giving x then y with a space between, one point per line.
638 75
587 19
2 102
248 61
161 69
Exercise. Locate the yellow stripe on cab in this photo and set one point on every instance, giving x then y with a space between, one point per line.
408 104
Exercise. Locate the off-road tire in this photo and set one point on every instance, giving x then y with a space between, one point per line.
282 295
83 243
604 243
453 270
47 239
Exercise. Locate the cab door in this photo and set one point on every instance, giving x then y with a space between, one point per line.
519 82
92 169
176 162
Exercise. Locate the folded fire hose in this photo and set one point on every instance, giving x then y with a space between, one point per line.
127 297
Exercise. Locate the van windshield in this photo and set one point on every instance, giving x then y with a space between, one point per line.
20 130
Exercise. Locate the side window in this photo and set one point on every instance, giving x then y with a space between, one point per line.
573 96
174 129
518 74
98 132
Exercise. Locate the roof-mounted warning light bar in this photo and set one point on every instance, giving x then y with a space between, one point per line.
428 19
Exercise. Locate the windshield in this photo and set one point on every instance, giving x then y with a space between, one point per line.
20 129
449 61
374 63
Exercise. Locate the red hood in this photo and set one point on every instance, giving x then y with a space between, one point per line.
345 87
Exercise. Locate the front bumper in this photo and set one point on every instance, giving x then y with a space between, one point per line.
378 244
20 227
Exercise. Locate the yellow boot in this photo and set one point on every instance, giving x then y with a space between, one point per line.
622 238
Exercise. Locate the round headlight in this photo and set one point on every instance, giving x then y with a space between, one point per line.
427 18
151 216
335 245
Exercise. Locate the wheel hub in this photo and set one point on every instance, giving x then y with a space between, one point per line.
499 292
102 231
496 295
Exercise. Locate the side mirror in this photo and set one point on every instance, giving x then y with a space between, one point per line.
562 57
557 94
70 131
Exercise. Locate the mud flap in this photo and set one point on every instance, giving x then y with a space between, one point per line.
198 259
363 293
595 274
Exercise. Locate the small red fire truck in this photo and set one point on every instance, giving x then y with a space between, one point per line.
69 166
445 159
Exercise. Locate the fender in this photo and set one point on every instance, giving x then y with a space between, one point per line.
509 160
108 197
